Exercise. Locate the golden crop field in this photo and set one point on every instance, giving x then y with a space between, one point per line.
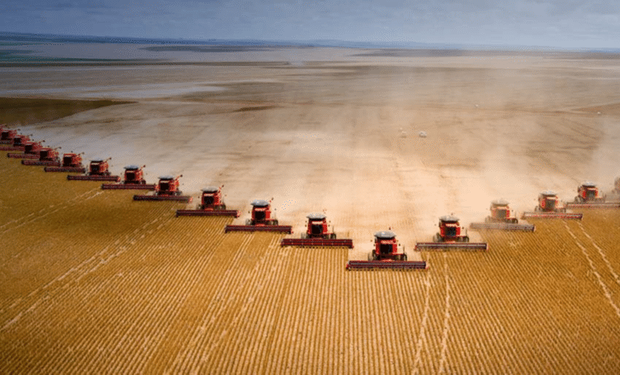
92 282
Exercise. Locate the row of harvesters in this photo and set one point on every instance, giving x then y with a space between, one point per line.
387 251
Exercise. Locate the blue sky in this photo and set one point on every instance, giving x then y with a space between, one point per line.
567 23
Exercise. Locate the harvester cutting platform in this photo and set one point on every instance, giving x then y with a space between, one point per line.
550 207
133 180
211 204
451 236
167 189
71 162
47 156
387 253
589 196
502 218
97 171
317 234
261 221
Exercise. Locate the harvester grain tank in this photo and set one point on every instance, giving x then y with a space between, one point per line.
317 234
71 163
211 204
451 236
387 253
550 207
589 196
47 156
502 217
133 179
262 220
167 189
97 171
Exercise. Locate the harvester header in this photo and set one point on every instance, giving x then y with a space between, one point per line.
550 207
97 171
386 254
451 236
71 162
211 204
167 189
502 217
261 221
589 196
317 234
133 179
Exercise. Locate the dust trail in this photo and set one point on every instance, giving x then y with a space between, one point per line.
606 290
446 319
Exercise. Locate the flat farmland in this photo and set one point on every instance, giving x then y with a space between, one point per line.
94 282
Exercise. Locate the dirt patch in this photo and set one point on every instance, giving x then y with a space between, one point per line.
29 111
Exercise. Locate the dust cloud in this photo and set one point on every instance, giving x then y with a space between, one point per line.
334 130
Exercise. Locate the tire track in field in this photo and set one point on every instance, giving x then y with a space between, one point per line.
76 273
604 287
446 319
34 216
423 324
602 254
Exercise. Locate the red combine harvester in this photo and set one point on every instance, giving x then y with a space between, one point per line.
71 162
211 204
317 234
387 253
97 171
30 150
502 218
133 179
550 207
47 156
261 221
451 236
589 196
14 141
167 189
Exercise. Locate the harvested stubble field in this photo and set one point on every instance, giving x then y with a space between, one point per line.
93 282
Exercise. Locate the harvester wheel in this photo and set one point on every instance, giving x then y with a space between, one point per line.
466 239
332 236
487 219
437 238
248 222
537 208
514 221
403 257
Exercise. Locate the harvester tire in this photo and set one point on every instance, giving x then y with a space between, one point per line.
332 236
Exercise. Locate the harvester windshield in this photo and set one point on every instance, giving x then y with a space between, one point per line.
450 230
590 193
317 228
67 160
259 214
385 248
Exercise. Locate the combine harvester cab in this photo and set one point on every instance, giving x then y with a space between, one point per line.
14 141
30 150
502 218
132 180
317 234
451 236
550 207
211 204
167 189
261 221
589 196
47 156
97 171
71 162
386 254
